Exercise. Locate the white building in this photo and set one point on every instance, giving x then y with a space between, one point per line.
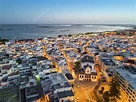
87 72
127 79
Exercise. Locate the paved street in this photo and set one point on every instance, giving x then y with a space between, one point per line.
83 91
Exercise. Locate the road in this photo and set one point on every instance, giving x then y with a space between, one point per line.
83 91
95 90
70 64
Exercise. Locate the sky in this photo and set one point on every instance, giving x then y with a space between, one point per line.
67 11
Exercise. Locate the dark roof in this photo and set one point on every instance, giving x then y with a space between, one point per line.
39 58
65 94
26 40
108 62
91 46
25 65
87 74
87 58
81 71
6 67
14 73
69 76
131 69
58 85
87 66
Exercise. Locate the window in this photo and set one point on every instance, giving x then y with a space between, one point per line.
133 96
130 88
133 92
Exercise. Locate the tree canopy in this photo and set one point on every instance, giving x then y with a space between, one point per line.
115 88
19 60
106 96
77 64
114 91
3 40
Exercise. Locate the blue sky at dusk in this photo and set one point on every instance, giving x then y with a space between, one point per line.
68 11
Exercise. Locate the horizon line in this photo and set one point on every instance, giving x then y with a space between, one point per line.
67 24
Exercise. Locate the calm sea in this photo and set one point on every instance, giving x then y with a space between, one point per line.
13 32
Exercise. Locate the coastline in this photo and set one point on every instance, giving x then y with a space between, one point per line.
65 31
69 35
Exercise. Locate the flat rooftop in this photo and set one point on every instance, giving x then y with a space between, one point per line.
128 77
108 62
46 85
131 69
54 81
60 85
63 94
58 78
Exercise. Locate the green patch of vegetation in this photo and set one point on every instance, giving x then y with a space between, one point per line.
3 40
19 60
114 88
60 35
101 91
89 33
106 96
77 66
99 101
69 35
114 91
